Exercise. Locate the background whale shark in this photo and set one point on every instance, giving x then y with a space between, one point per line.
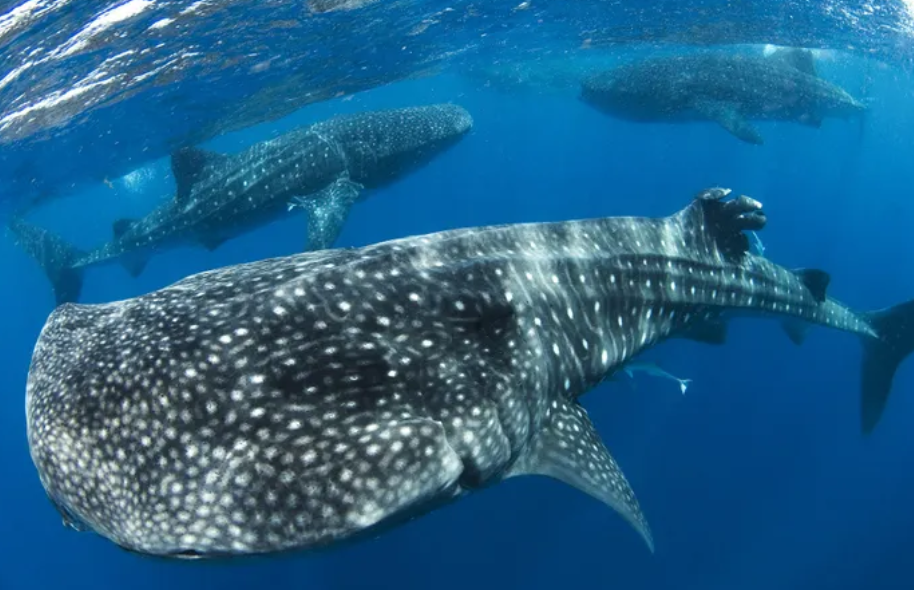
730 89
304 401
321 168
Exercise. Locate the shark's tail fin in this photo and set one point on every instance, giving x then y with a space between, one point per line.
55 256
881 357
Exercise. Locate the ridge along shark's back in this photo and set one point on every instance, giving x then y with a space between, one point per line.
730 89
305 401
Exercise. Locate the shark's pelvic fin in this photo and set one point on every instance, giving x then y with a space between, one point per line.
188 166
55 255
729 117
796 330
708 332
810 120
569 449
881 357
327 212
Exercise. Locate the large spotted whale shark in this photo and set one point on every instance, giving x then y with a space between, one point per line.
728 89
322 168
304 401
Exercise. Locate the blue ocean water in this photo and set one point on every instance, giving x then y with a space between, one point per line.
757 478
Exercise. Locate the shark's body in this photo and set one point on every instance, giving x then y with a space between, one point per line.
322 168
300 402
729 89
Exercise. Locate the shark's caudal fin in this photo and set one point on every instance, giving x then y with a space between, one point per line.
881 357
55 256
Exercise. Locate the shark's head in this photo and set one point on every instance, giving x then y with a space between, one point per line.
383 145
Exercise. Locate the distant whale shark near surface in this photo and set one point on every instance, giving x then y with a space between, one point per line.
322 168
726 88
309 400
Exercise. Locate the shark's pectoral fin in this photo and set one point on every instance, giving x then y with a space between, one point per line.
327 212
728 116
569 449
134 264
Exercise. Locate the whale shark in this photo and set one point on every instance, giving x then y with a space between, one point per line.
307 401
322 169
730 89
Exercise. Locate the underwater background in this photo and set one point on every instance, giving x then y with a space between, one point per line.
757 478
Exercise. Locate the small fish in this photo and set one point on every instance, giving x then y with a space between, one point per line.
651 368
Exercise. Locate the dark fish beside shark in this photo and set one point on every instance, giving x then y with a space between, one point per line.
729 89
322 168
299 402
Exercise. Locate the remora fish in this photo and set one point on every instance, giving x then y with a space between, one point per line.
726 88
303 401
322 167
651 368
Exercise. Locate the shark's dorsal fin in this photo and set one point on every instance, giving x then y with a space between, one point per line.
815 280
187 165
121 226
569 449
801 59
